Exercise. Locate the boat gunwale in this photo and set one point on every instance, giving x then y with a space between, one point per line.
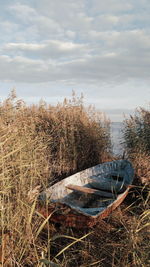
115 203
66 180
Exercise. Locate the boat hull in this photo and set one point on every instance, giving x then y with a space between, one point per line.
70 218
61 209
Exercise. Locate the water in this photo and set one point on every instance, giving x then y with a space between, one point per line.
116 137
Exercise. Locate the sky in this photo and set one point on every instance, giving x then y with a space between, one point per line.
99 48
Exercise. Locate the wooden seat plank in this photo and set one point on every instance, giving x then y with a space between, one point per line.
88 190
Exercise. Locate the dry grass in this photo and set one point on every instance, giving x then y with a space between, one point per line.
41 144
137 132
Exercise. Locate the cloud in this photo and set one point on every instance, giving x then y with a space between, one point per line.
21 69
29 17
80 66
113 6
52 49
23 12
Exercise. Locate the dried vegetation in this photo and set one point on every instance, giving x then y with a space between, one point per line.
42 144
39 145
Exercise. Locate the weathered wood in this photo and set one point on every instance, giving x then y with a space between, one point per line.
87 190
86 209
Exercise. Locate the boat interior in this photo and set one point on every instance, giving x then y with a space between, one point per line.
92 198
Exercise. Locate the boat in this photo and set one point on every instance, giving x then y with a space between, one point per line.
86 197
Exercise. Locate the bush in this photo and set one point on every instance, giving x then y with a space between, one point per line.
137 132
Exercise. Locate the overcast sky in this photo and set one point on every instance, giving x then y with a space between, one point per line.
99 48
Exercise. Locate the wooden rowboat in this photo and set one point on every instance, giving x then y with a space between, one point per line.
83 199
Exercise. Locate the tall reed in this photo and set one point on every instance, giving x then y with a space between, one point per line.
40 144
137 131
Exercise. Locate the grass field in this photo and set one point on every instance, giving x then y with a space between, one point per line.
42 144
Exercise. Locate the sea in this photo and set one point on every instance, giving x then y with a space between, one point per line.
117 138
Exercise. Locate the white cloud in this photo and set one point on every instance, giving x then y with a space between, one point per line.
52 49
30 17
95 69
23 46
70 34
23 12
111 6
